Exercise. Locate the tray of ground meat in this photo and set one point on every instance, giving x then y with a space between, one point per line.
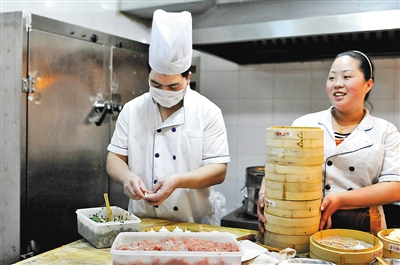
205 248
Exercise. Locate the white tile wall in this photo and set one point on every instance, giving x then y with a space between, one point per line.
257 96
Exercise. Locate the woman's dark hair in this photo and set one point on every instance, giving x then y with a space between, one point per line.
366 67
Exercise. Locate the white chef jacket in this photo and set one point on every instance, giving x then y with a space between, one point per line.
370 154
193 136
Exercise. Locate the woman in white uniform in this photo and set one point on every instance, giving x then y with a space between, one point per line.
362 152
170 145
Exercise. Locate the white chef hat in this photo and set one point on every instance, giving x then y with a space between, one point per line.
170 49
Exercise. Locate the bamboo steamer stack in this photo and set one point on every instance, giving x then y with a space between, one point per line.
293 186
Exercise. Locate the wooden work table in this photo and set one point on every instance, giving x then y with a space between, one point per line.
82 252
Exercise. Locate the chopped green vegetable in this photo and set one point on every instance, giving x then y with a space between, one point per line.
99 218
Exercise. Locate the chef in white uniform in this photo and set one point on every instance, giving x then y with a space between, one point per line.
170 145
370 155
362 152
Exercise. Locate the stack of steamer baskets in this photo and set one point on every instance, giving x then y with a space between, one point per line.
293 186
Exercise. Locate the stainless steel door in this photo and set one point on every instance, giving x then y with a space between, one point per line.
65 149
53 147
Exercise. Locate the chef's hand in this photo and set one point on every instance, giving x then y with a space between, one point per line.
134 188
260 213
161 191
118 169
329 205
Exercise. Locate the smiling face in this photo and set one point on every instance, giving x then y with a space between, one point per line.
346 85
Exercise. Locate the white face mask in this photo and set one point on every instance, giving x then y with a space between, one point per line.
167 98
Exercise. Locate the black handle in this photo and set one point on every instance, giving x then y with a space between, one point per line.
106 109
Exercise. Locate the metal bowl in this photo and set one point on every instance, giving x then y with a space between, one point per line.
307 261
388 261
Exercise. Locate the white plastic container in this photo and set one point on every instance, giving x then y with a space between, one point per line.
129 257
102 235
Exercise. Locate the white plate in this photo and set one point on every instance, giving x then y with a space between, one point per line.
251 250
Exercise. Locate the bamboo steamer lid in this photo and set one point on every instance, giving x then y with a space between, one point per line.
311 178
291 143
294 132
288 239
300 243
345 256
292 231
300 157
292 196
292 209
295 137
293 191
294 224
309 152
293 170
293 186
293 205
391 248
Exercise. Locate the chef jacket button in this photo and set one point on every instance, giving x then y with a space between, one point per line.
159 130
157 155
155 181
351 168
327 187
175 208
173 129
350 189
174 157
329 163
